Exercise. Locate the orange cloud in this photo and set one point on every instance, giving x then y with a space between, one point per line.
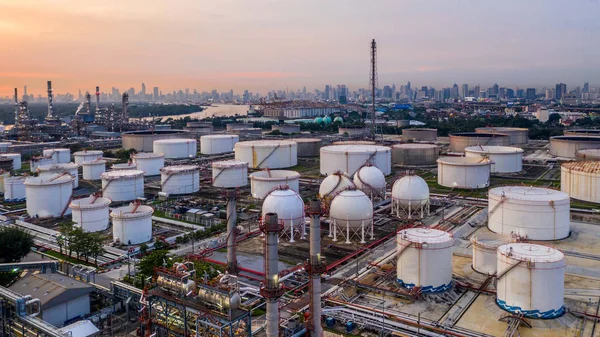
259 75
30 75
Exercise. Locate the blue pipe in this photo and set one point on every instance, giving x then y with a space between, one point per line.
299 333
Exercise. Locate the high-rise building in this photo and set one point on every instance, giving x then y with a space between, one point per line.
476 91
510 93
387 92
465 91
143 93
327 92
495 89
549 94
560 91
586 88
530 93
156 94
454 92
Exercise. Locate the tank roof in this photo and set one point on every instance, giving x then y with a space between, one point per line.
424 235
307 140
148 155
88 153
174 141
122 174
529 252
478 134
589 166
359 148
493 149
57 167
219 137
577 138
55 179
90 202
266 143
502 128
126 211
179 169
414 146
490 240
529 193
94 162
154 132
467 161
274 175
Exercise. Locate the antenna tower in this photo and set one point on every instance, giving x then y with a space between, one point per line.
373 83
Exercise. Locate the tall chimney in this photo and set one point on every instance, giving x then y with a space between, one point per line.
50 100
315 268
16 107
125 102
232 265
88 102
97 98
270 289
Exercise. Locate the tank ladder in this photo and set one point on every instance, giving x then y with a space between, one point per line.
502 199
505 271
67 205
267 157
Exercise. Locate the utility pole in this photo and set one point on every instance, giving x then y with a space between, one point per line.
373 82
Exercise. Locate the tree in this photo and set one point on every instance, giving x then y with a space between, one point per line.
156 258
143 249
96 247
15 243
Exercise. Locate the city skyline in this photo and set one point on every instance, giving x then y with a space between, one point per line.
238 45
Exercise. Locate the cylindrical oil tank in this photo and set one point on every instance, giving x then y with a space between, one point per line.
262 182
419 135
581 180
246 132
215 144
93 169
567 146
91 213
518 136
143 141
354 142
219 299
176 148
504 159
181 285
485 260
70 168
370 180
352 208
132 224
425 259
48 196
415 154
288 205
181 179
271 154
229 173
16 157
59 156
582 132
589 154
353 132
308 147
14 189
124 185
286 128
124 166
39 161
349 158
198 128
3 175
149 162
410 194
533 213
236 126
459 141
6 164
531 280
463 172
80 156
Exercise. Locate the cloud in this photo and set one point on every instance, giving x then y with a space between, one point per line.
259 75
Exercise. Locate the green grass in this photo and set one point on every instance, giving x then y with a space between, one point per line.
63 257
162 214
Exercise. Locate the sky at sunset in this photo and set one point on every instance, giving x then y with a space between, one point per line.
270 44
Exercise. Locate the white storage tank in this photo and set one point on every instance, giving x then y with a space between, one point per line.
70 168
16 157
93 169
515 135
410 197
59 156
333 184
176 148
124 166
589 154
39 161
351 215
229 173
425 259
531 280
459 141
124 185
182 179
581 180
14 189
370 180
215 144
485 245
132 224
289 207
463 172
568 146
149 162
3 175
504 159
349 158
49 196
91 213
80 156
415 154
262 182
533 213
271 154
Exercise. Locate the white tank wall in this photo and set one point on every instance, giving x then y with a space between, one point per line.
3 175
180 179
47 171
230 173
272 154
530 212
92 170
39 161
215 144
59 156
80 156
535 285
349 158
503 159
581 180
91 217
48 199
150 163
176 148
16 157
124 166
262 182
465 176
132 228
485 259
14 189
123 185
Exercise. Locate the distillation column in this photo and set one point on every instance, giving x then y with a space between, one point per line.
125 102
315 268
16 108
50 115
232 265
271 290
97 99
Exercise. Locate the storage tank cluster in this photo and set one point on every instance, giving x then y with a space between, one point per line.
463 172
82 156
48 196
568 146
350 158
120 186
532 213
143 140
216 144
581 180
271 154
289 207
148 162
517 136
419 135
91 213
504 159
181 179
459 141
132 224
93 169
70 168
262 182
351 216
176 148
410 197
415 154
371 181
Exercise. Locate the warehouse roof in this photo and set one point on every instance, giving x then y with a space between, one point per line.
51 289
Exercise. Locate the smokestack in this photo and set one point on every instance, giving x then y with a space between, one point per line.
315 268
50 99
16 107
125 116
232 265
97 98
88 102
270 289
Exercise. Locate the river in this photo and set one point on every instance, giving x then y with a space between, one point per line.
214 110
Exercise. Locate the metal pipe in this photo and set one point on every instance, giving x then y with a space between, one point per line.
232 265
316 267
299 333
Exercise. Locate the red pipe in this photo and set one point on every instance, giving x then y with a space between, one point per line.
358 252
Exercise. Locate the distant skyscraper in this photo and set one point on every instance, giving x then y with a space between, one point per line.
476 91
387 92
327 92
156 94
25 98
560 91
530 93
454 93
586 88
143 93
495 89
464 91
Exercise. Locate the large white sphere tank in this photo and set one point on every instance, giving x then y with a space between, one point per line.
132 224
410 190
504 159
263 182
59 156
14 189
533 213
351 208
16 157
531 280
39 161
271 154
370 180
215 144
485 260
50 196
182 179
91 213
425 259
124 166
229 173
70 168
124 185
176 148
3 175
288 205
350 158
149 162
93 169
333 184
81 156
